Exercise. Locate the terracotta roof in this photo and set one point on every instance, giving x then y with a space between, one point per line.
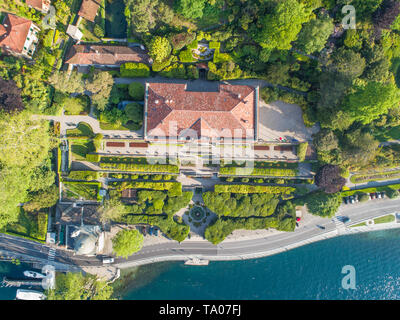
209 114
37 4
106 55
89 9
14 32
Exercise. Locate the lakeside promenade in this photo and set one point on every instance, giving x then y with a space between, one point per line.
230 250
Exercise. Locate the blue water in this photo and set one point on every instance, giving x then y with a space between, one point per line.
309 272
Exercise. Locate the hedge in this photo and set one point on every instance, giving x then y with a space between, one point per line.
167 168
214 45
83 175
302 150
133 70
273 172
243 188
93 157
174 188
174 230
186 56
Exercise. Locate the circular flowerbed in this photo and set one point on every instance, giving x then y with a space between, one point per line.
197 213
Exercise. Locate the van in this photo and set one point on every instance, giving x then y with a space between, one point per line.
108 260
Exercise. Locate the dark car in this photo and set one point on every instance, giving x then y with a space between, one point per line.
321 227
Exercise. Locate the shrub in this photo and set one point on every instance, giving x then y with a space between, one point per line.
302 150
133 70
186 56
83 175
174 71
136 91
192 72
242 188
392 193
182 39
93 157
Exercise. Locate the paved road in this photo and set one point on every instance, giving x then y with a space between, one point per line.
226 250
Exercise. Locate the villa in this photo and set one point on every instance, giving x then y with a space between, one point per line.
89 9
18 36
104 56
40 5
173 112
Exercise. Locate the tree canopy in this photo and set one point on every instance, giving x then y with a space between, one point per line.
127 242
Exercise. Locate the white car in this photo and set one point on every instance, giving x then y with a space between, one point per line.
108 260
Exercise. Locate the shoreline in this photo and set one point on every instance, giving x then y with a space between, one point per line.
261 254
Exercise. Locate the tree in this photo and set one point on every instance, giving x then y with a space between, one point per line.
134 113
282 25
347 63
75 286
159 49
371 100
100 85
323 204
10 97
191 9
314 34
329 179
136 91
127 242
43 199
112 210
30 137
386 14
63 82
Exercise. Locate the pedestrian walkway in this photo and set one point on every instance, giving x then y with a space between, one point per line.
52 255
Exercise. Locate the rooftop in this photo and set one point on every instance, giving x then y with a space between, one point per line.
89 9
228 112
13 32
105 55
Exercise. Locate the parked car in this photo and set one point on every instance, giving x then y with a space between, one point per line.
345 219
378 195
383 194
108 260
144 231
156 232
345 200
150 231
372 196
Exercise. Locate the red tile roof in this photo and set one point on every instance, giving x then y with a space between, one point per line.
209 114
37 4
13 33
105 55
89 9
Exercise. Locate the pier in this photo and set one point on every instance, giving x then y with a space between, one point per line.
18 283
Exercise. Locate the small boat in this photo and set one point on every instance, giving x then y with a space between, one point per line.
34 274
23 294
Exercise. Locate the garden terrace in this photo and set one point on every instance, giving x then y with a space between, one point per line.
262 172
74 190
243 188
32 226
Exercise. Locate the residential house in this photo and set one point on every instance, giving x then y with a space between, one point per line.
228 115
89 9
18 36
40 5
104 56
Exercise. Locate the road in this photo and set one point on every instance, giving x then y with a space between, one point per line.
224 251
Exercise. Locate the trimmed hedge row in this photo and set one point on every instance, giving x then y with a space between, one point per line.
160 168
243 188
273 172
93 157
133 70
83 175
173 188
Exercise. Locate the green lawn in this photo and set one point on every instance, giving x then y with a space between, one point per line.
30 225
80 148
83 130
384 219
362 224
360 178
76 190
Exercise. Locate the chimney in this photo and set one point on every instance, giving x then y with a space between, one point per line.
239 95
